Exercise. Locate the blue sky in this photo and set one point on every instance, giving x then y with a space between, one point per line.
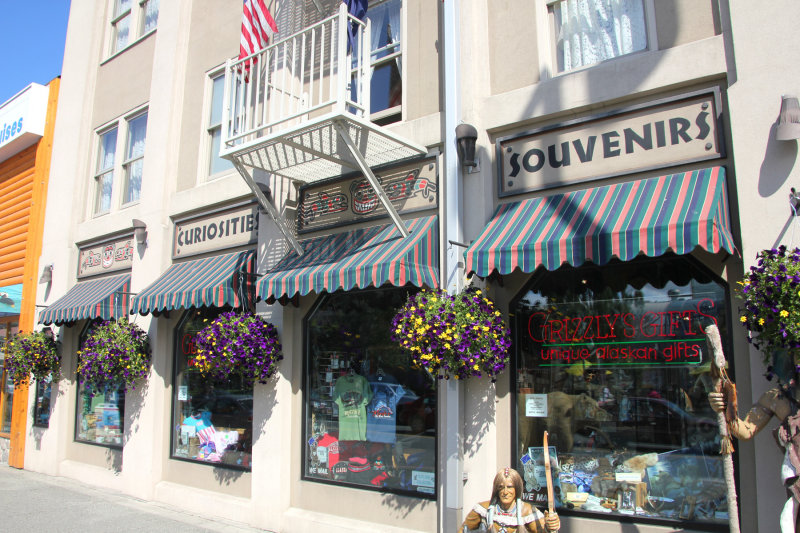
32 35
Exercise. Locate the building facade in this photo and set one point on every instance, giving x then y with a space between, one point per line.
26 139
625 176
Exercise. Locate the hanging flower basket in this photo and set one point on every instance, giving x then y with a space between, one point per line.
460 336
771 297
32 354
237 344
114 354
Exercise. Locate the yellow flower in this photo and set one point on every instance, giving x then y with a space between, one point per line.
784 313
742 319
760 321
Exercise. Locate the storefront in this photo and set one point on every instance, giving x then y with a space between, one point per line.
210 421
368 416
611 287
102 293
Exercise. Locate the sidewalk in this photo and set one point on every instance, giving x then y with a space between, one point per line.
33 502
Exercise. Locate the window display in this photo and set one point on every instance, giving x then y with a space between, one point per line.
41 409
612 362
370 417
100 415
212 420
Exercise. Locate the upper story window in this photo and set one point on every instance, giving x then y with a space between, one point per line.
126 16
121 25
386 60
107 192
216 88
587 32
149 8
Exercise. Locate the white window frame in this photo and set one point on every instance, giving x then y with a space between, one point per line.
206 154
121 166
402 53
136 20
143 17
129 162
546 38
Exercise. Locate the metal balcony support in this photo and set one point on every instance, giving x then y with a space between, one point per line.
267 206
299 109
343 132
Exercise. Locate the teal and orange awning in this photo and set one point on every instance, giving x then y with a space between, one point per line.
207 282
104 298
359 258
677 212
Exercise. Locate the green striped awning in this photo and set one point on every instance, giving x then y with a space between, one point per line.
104 298
678 212
359 258
208 282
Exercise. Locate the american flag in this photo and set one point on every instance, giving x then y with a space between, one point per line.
258 27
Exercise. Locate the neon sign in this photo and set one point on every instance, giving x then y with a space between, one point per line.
650 337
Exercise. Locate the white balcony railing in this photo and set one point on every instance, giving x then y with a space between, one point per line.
307 73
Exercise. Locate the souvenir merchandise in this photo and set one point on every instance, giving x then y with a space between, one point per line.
351 394
381 411
370 415
212 418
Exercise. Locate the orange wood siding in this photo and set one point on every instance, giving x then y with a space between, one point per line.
16 196
25 217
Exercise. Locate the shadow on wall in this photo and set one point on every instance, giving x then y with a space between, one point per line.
478 411
779 159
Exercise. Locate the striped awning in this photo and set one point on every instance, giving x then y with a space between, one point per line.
208 282
678 212
360 258
104 298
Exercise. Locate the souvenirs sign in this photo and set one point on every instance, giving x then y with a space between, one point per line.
642 138
107 257
215 231
346 201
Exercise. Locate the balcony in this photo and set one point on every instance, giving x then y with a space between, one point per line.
300 109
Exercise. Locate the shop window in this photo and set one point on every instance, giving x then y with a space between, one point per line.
370 417
587 32
8 328
612 362
108 193
130 21
213 420
41 407
100 413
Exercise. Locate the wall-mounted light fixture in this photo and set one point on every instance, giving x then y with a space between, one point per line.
789 119
47 274
139 231
466 135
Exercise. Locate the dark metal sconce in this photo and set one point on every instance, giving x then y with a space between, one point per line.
466 135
